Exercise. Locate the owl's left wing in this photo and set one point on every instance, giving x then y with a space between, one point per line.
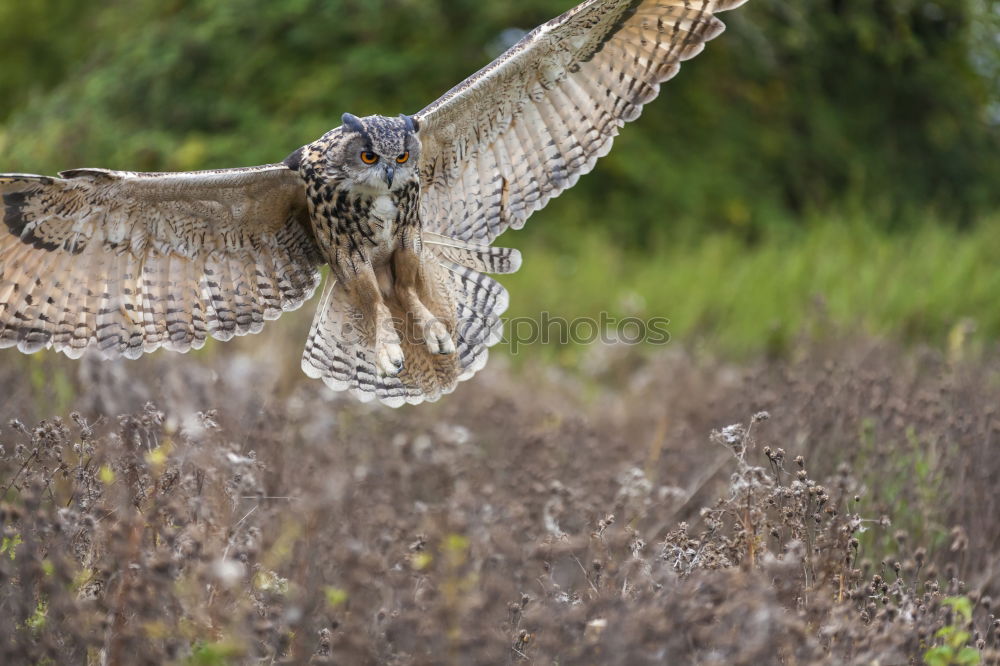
501 144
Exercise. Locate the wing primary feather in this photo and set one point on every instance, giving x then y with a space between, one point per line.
109 331
32 334
606 58
131 267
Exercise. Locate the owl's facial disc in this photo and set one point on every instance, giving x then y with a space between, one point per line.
380 152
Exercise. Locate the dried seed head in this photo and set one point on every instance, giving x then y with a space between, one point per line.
959 539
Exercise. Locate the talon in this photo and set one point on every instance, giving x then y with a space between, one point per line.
390 360
447 346
439 340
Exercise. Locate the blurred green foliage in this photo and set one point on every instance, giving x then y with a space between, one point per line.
875 106
836 277
879 119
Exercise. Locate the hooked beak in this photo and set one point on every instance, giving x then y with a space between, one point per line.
390 172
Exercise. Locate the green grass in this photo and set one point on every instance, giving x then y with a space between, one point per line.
928 284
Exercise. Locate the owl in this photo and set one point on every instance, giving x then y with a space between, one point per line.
404 210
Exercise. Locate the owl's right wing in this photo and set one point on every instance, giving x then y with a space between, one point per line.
501 144
129 262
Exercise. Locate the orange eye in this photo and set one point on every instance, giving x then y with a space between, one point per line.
369 158
402 158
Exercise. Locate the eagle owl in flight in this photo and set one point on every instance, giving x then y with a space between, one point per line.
404 210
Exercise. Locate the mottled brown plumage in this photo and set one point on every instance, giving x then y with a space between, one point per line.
404 210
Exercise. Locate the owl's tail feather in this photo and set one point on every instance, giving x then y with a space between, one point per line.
340 350
341 345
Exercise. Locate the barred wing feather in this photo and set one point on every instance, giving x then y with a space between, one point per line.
129 262
500 145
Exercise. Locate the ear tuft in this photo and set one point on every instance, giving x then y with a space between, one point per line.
412 124
352 123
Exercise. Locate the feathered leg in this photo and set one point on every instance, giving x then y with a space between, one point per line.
363 293
414 291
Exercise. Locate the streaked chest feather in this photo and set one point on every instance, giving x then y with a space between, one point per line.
383 213
382 218
358 220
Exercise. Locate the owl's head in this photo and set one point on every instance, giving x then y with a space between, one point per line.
376 152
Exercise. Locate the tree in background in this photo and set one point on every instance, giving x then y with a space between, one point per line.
886 107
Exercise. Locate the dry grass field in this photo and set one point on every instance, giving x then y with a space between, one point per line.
805 475
835 506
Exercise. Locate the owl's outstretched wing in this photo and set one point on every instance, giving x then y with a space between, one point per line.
501 144
129 262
